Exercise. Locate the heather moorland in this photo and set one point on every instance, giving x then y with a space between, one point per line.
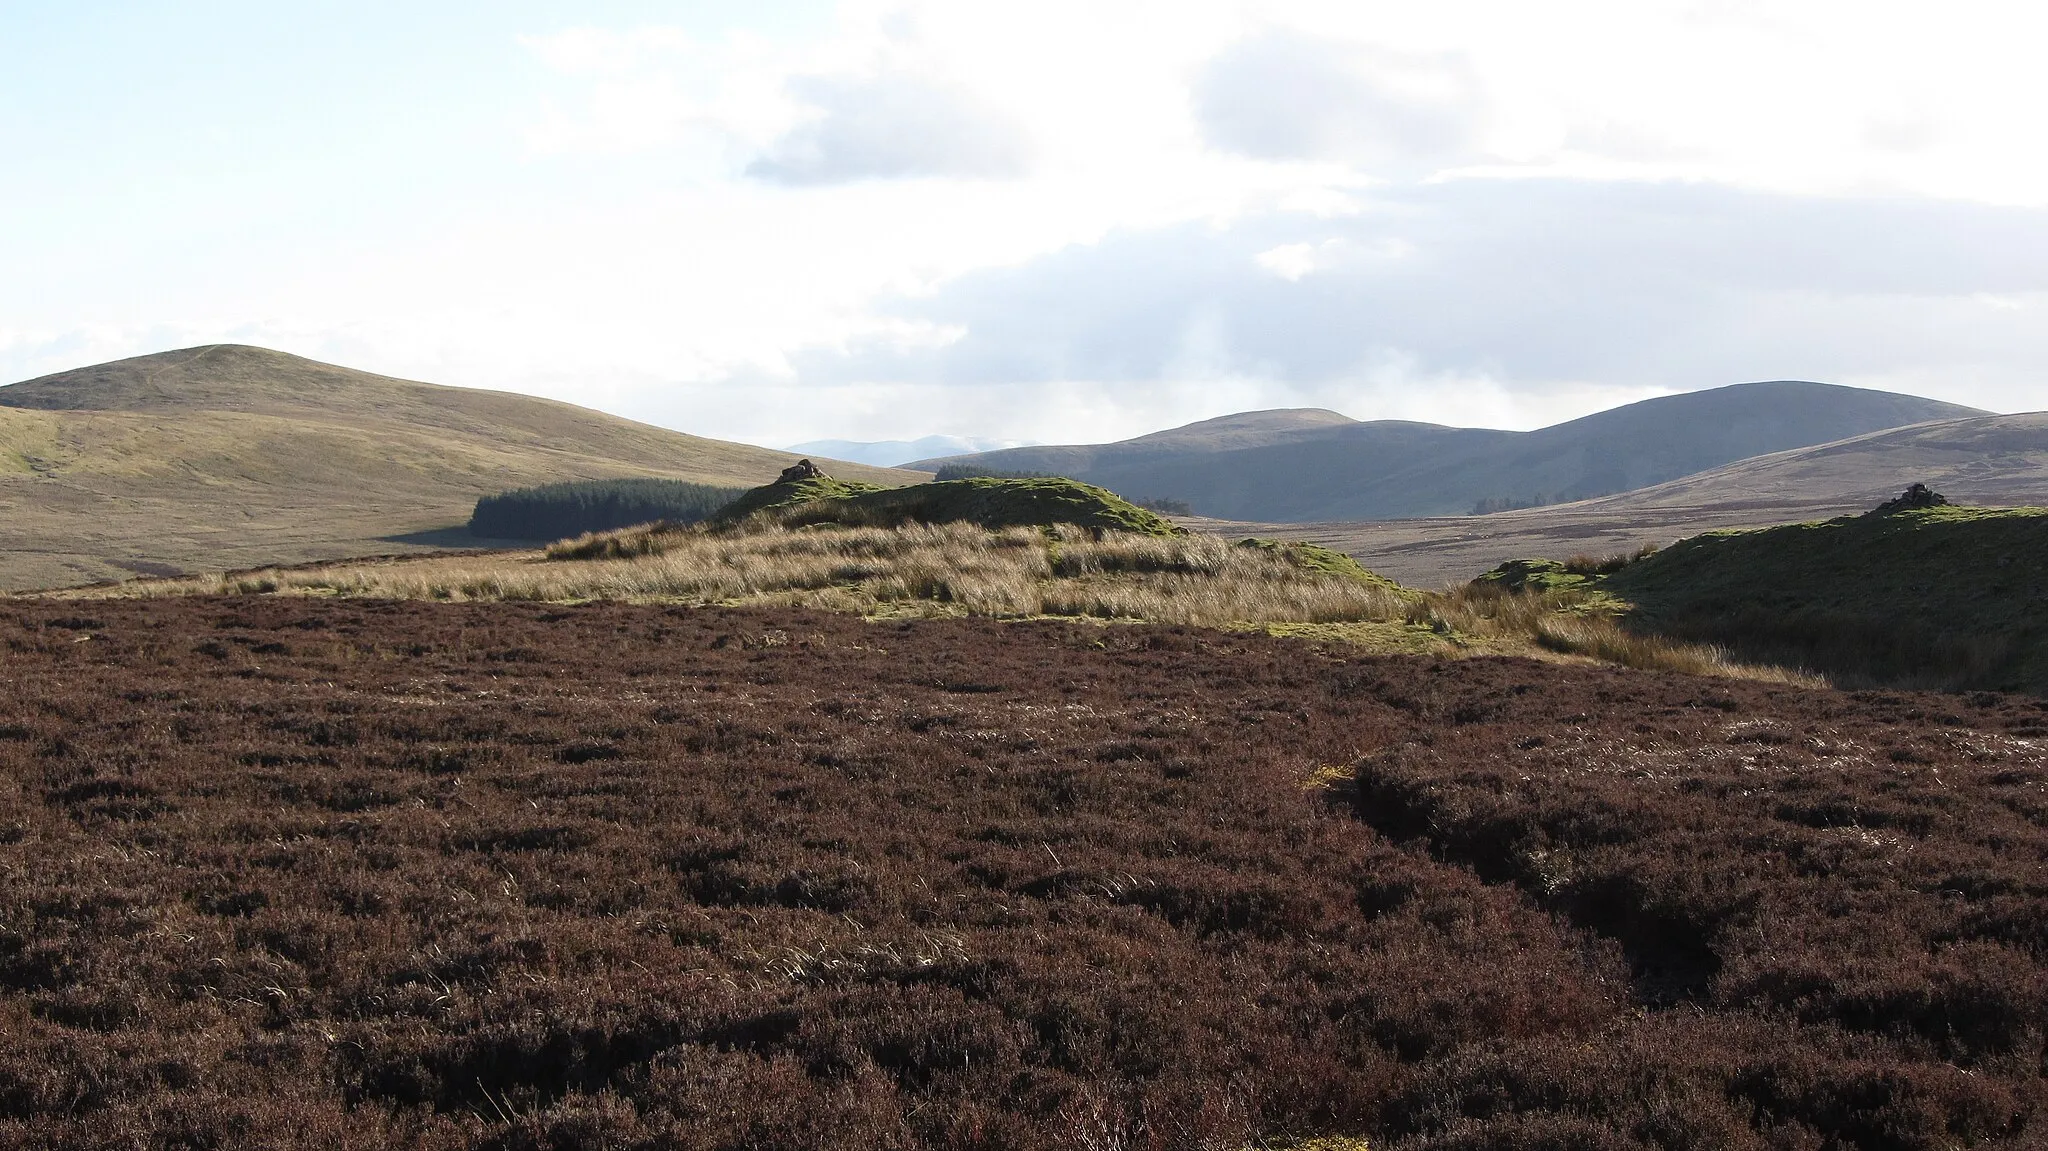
313 872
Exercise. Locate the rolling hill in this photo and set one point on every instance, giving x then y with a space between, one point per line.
1301 465
231 456
1986 461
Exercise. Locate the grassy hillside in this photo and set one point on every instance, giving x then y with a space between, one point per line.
1942 597
1299 466
230 456
1990 461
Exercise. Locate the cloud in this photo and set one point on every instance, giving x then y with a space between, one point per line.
1531 287
1285 95
892 126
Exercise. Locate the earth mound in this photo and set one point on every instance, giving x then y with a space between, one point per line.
803 498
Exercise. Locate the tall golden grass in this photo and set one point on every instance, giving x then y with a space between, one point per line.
1590 624
935 569
958 569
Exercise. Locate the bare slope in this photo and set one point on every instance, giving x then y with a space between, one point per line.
1310 465
228 456
1988 461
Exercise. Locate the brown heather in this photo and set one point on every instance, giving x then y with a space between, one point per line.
289 872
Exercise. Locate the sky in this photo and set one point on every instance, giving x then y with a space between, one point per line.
1049 221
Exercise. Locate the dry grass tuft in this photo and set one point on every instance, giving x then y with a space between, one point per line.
919 569
1575 622
958 569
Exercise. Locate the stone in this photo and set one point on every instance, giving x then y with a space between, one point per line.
1916 496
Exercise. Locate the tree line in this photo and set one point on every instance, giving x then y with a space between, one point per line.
558 511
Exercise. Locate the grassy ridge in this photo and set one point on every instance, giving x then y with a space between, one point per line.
1944 597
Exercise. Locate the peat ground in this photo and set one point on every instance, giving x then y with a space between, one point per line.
293 872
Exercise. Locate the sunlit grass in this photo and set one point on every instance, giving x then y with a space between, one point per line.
958 569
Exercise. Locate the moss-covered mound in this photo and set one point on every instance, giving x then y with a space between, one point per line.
1946 597
784 494
1536 576
1317 558
991 503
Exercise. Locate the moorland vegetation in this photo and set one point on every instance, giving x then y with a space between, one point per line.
963 547
293 872
1940 597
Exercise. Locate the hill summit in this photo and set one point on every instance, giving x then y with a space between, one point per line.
234 456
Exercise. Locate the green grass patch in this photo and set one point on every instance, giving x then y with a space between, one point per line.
1388 637
1317 558
1535 575
786 494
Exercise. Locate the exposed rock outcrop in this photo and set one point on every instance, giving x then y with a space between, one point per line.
801 470
1916 496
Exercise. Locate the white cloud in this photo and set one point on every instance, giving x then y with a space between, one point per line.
1289 261
1550 290
888 126
1066 219
1289 95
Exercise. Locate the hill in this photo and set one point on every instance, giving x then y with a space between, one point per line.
1990 461
232 456
1306 465
1948 597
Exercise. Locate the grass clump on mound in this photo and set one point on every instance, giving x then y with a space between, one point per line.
992 503
917 569
1580 572
1316 558
783 495
1943 597
984 501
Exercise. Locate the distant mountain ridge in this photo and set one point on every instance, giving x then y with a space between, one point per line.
1982 461
895 453
230 456
1304 465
